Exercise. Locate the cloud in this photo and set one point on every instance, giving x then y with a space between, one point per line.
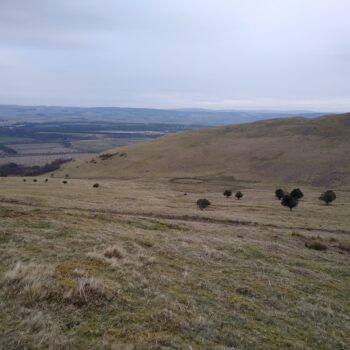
175 53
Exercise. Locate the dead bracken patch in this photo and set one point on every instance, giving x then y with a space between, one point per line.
316 245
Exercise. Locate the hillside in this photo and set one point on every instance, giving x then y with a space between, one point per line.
314 151
134 264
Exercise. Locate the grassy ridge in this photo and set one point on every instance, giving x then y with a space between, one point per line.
310 151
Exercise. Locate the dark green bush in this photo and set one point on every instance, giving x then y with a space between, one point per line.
239 195
296 193
227 193
328 197
203 203
279 193
289 201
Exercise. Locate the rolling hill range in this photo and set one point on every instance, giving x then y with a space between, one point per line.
187 116
299 150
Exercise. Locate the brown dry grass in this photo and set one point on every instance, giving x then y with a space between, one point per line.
287 150
136 265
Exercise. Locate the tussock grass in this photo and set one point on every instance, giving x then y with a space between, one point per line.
114 252
88 290
35 283
31 281
113 255
36 330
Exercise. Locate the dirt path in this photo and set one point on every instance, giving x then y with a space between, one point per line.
185 218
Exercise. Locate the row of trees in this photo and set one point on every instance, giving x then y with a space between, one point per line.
289 200
14 169
228 194
204 203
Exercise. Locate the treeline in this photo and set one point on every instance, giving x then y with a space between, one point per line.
14 169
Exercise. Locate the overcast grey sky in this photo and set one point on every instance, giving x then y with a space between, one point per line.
230 54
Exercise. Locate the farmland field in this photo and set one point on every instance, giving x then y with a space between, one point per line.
38 143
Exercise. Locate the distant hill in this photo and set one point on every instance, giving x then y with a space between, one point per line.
140 115
298 150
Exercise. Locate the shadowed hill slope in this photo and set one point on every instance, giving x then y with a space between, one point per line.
315 151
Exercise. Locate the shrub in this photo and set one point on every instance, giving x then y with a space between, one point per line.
24 180
203 203
239 195
316 245
227 193
65 182
328 197
92 289
279 193
96 185
46 180
296 193
289 201
35 180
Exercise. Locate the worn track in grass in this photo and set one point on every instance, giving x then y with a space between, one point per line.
188 218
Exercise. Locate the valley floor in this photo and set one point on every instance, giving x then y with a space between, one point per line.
133 264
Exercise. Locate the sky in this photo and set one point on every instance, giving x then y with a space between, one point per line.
217 54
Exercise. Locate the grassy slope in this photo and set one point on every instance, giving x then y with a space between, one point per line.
300 150
235 276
